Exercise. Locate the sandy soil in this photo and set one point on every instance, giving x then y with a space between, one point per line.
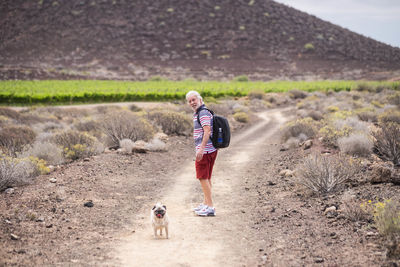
262 218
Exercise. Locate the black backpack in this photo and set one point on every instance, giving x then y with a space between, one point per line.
221 135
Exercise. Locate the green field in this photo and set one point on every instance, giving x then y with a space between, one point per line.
91 91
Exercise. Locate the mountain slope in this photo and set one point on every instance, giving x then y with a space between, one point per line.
135 38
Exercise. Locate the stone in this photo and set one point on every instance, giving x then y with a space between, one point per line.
86 159
14 237
319 260
162 136
53 180
9 191
88 204
307 144
330 209
286 173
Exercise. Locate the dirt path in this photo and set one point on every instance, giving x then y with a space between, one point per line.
196 241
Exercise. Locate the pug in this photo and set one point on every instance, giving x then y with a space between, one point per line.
159 219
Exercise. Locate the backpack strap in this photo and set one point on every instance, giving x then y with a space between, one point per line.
198 112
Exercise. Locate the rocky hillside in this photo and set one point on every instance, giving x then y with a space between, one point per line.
178 38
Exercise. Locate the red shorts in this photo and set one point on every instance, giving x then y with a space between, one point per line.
205 166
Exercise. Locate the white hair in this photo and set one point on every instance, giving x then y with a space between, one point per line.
190 93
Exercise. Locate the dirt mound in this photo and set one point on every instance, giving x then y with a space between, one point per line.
135 39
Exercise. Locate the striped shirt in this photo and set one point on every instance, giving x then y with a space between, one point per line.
206 120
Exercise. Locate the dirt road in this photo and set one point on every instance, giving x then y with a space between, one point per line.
197 241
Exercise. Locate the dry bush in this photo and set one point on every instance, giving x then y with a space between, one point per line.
297 94
126 145
324 174
87 126
47 151
14 138
156 145
257 105
126 125
221 109
387 218
76 144
298 128
356 145
394 99
9 113
15 172
352 209
363 86
241 117
315 115
256 95
387 142
108 109
134 108
352 122
171 122
368 116
389 116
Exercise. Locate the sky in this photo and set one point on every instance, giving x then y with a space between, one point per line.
378 19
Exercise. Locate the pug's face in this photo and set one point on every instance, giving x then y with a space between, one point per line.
159 210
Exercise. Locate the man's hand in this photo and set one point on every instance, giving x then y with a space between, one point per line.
199 154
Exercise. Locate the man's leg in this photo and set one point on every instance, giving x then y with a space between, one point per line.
206 187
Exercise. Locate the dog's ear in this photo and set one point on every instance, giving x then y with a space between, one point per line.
165 207
154 208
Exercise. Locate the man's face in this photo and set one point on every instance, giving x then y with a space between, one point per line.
194 102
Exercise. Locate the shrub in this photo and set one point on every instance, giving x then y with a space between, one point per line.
87 126
394 99
126 145
331 134
156 145
297 94
47 151
14 138
387 218
221 109
389 116
356 145
387 142
241 117
298 128
315 115
126 125
256 95
309 47
242 78
134 108
15 172
324 174
353 210
76 144
364 86
353 123
171 122
9 113
368 116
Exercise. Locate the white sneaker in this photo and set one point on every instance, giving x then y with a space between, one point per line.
200 207
206 211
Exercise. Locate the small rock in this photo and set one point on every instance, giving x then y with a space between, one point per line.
284 148
86 159
332 208
49 225
14 237
271 183
286 173
9 191
7 221
318 260
162 136
370 234
40 219
53 180
51 168
88 204
307 144
273 209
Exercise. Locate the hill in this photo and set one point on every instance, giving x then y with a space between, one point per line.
121 39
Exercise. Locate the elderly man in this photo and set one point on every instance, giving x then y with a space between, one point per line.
206 153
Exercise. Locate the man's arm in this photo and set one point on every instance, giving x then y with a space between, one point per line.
206 136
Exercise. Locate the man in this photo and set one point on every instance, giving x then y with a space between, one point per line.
206 153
